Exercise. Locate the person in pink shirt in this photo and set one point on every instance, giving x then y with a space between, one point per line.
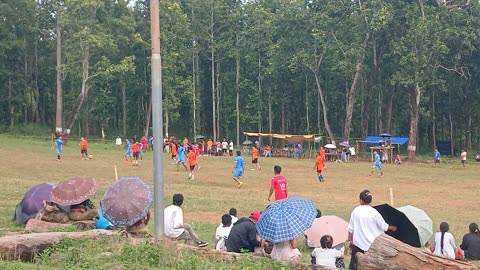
278 184
143 141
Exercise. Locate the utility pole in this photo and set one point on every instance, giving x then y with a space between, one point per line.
157 120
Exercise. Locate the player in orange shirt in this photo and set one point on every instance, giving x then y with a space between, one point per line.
173 148
255 158
209 147
192 160
83 148
135 149
319 164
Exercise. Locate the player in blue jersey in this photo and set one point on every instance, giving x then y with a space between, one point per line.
377 163
58 147
181 156
238 169
128 150
436 157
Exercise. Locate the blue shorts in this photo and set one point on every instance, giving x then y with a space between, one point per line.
237 173
181 159
377 164
128 153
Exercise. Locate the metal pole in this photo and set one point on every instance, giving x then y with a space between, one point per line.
157 120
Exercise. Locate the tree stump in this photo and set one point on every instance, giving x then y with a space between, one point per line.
389 253
25 246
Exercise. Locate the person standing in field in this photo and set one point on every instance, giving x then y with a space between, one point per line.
365 225
436 157
353 153
173 148
181 157
128 150
58 147
192 161
463 156
140 150
83 148
319 165
143 141
377 163
135 150
230 148
224 146
118 142
255 158
209 147
238 169
278 184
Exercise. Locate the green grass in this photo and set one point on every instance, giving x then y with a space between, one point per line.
447 193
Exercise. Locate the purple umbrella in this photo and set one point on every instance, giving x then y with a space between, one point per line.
32 202
344 144
126 201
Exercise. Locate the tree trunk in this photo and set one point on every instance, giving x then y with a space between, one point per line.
353 91
389 253
414 96
389 111
434 127
237 99
59 112
219 101
306 103
270 120
259 81
26 104
12 106
194 94
148 116
166 123
452 135
283 115
26 247
124 108
212 55
83 93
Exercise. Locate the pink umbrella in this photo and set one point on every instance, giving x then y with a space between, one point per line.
328 225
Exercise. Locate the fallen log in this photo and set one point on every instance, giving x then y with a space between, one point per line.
389 253
232 256
26 246
36 225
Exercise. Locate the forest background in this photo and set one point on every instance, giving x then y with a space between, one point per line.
339 68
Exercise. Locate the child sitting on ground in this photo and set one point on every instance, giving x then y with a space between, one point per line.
326 255
398 159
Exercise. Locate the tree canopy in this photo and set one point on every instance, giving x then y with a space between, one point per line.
339 68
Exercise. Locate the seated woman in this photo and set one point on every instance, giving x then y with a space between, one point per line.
444 242
286 251
326 255
83 211
141 226
471 243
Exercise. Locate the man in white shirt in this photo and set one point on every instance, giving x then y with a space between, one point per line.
174 226
230 148
118 142
366 224
224 146
353 154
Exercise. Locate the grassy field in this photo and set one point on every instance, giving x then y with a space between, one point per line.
447 193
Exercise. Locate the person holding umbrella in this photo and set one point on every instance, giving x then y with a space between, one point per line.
174 226
366 224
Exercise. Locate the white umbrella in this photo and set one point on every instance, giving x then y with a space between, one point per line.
330 146
420 220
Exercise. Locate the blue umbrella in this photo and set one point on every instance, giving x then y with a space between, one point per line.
32 202
126 201
286 219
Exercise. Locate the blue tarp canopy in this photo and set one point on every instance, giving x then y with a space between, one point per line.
379 140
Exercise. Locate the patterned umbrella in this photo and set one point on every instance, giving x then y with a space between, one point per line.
126 201
286 219
334 226
74 190
32 202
